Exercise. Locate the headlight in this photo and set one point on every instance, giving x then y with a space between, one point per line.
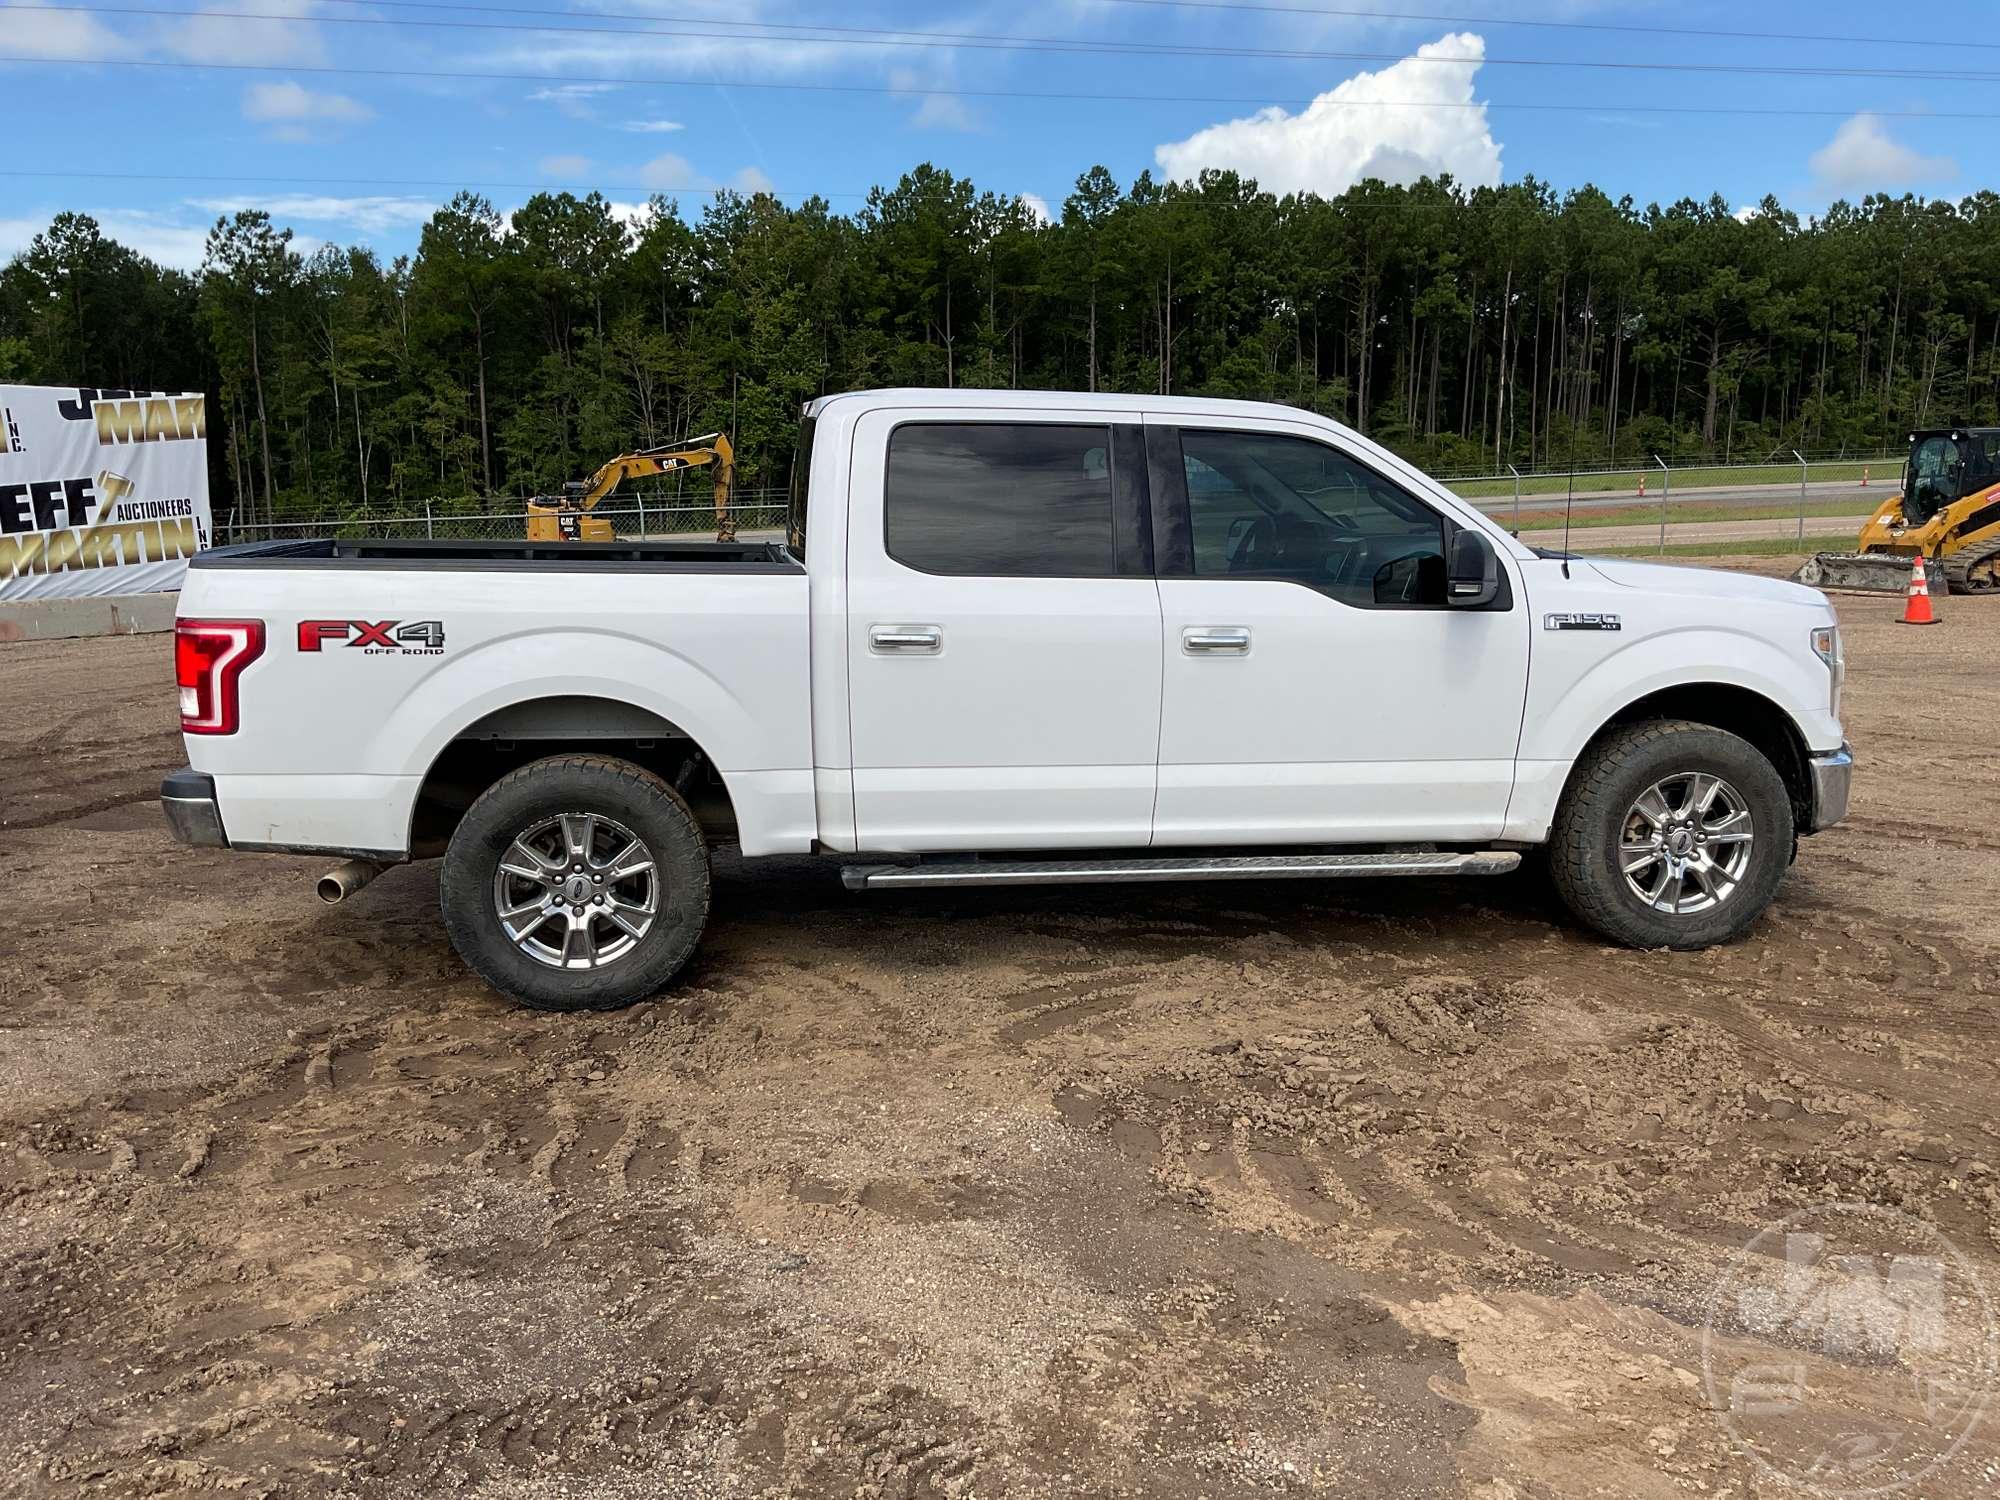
1826 646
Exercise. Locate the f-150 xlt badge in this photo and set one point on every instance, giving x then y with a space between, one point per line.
378 638
1581 622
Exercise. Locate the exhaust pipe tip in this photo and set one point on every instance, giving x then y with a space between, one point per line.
344 879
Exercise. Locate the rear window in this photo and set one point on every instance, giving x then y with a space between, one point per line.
801 477
999 499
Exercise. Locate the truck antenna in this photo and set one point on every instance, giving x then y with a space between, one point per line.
1569 496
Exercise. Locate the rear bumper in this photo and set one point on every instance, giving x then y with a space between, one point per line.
187 797
1831 772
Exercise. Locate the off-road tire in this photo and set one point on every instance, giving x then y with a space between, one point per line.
1583 857
592 784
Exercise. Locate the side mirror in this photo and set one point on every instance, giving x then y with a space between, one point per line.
1472 579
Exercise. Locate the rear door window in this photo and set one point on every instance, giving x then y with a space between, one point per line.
1001 499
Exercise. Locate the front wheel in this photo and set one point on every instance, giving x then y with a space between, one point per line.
576 883
1671 835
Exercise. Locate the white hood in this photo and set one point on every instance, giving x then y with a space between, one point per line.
1708 583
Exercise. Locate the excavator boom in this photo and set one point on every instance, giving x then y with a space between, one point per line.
567 518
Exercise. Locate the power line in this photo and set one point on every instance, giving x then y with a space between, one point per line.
984 41
1627 28
656 80
1198 5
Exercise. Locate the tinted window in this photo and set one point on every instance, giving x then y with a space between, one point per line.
1005 499
801 477
1265 506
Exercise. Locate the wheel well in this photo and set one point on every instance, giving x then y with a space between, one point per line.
511 737
1748 715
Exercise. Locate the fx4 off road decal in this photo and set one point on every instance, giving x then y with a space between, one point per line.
374 637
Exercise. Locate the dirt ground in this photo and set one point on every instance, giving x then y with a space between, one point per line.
1377 1189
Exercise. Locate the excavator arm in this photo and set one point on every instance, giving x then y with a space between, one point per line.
550 520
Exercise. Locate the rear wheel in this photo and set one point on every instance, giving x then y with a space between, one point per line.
1671 835
576 883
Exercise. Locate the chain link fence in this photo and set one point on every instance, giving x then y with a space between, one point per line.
1802 502
1625 508
756 512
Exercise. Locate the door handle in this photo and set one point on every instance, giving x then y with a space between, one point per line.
905 640
1216 640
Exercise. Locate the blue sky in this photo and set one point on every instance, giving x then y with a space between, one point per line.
350 130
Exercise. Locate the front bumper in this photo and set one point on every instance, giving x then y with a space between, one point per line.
187 797
1831 772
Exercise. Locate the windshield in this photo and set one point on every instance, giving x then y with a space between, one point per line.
1933 479
795 526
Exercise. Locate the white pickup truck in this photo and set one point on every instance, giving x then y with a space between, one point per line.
1010 637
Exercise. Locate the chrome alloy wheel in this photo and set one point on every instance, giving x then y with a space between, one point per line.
577 891
1685 844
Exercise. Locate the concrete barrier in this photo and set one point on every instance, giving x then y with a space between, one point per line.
107 614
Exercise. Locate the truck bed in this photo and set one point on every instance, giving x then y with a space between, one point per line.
620 556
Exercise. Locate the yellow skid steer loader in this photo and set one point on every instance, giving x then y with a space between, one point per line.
1947 511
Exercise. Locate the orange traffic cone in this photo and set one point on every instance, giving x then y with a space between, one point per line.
1917 606
1642 486
1864 476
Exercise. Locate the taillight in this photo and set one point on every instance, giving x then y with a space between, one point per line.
209 655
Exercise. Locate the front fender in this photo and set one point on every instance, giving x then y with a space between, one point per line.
1577 687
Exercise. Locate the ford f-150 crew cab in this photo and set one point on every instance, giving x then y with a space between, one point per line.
1010 637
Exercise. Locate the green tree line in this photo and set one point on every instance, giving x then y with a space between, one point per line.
1465 329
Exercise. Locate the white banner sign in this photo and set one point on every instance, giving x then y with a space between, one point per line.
101 492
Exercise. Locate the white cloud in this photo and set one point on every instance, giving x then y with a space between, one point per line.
157 236
1036 205
753 180
945 112
574 99
934 111
292 112
667 172
652 127
1355 131
565 166
369 215
54 33
1862 156
229 38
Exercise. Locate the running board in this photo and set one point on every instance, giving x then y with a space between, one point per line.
1112 871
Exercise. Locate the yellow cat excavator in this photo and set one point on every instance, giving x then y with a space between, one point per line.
1947 512
566 517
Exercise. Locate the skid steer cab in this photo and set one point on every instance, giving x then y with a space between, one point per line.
567 517
1946 511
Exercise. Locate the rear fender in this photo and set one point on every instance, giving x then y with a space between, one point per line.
554 662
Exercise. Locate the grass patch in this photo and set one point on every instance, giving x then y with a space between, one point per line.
1763 546
1881 471
1679 514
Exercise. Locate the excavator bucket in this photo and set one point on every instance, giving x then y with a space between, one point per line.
1867 573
